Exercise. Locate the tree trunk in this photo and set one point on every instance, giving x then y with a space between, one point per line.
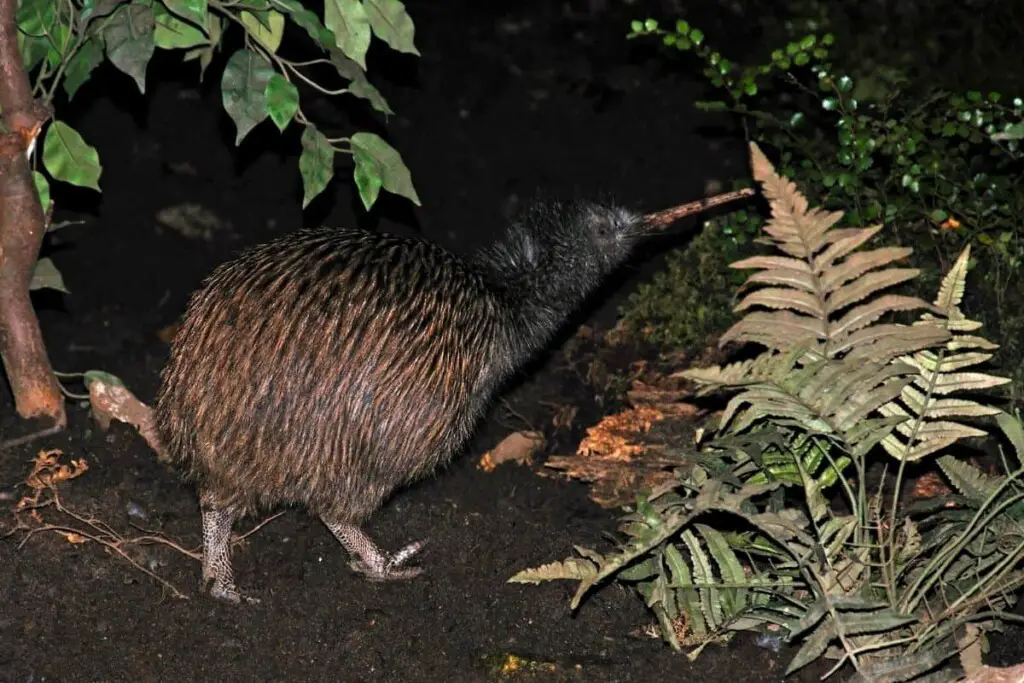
22 226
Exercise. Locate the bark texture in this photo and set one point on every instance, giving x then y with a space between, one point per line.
22 226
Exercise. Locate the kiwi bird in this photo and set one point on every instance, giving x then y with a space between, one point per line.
329 367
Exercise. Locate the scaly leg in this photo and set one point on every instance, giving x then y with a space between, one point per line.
217 570
371 561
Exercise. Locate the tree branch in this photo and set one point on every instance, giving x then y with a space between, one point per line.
22 226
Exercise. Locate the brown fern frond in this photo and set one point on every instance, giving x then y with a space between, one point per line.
858 264
808 288
782 297
842 244
893 341
867 285
865 314
766 328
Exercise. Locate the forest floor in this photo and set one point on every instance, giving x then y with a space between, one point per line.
507 99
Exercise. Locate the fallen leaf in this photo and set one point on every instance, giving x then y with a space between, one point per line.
166 334
517 447
564 416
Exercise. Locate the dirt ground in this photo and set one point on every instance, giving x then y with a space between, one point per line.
507 99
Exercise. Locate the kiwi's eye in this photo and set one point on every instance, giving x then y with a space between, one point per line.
604 229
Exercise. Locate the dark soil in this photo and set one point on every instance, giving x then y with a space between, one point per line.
508 99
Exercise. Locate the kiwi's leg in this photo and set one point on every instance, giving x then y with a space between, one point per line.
368 559
218 576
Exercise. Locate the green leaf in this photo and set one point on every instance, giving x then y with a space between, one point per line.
45 34
381 160
364 89
172 33
316 163
42 189
350 23
193 11
128 36
1014 431
94 9
392 24
69 158
243 87
360 86
308 21
90 376
88 57
368 177
46 276
32 50
282 100
266 27
205 53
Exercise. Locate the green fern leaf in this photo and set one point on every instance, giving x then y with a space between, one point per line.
957 381
951 292
705 577
687 598
572 569
930 361
972 484
917 402
729 568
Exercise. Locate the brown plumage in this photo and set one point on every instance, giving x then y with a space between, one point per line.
329 367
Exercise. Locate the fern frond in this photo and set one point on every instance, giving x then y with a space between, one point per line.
941 372
892 346
809 288
954 284
781 297
858 264
865 314
971 482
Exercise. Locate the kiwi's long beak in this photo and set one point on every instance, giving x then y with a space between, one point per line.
654 222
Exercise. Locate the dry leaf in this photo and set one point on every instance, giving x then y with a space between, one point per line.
46 471
166 334
929 486
610 438
564 416
995 674
517 447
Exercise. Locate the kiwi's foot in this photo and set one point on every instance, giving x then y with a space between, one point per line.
218 577
228 592
372 562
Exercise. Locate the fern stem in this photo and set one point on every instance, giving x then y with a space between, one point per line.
935 569
911 442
